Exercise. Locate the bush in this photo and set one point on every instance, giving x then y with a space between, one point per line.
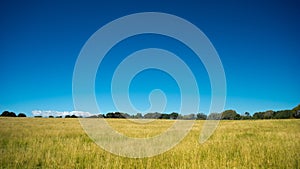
201 116
8 114
21 115
230 115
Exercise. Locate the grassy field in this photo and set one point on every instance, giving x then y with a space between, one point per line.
62 143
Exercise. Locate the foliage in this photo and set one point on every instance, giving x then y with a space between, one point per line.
230 115
71 116
201 116
164 116
225 115
117 115
296 111
281 114
155 115
189 117
8 114
138 116
21 115
174 115
214 116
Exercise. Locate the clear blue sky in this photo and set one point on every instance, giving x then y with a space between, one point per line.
258 43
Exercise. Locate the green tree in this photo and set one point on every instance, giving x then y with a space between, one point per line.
8 114
283 114
237 117
155 115
21 115
138 115
201 116
230 115
247 114
189 117
165 116
268 114
73 116
296 111
214 116
258 115
173 115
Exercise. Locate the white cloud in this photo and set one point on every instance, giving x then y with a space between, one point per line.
47 113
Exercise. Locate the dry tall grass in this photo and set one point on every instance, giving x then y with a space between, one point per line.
62 143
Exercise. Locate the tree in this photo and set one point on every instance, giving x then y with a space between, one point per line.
155 115
21 115
173 115
165 116
247 114
258 115
296 111
125 115
8 114
237 117
138 115
230 115
118 115
73 116
100 115
297 114
214 116
189 117
268 114
283 114
110 115
201 116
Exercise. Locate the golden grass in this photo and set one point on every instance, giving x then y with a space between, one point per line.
62 143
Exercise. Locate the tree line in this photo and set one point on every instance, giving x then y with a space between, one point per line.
225 115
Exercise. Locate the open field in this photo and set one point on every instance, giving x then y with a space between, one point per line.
62 143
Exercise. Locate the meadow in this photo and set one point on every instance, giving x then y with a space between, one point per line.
62 143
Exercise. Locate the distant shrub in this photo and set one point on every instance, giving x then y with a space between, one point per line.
201 116
8 114
71 116
21 115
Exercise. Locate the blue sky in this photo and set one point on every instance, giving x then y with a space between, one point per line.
257 42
